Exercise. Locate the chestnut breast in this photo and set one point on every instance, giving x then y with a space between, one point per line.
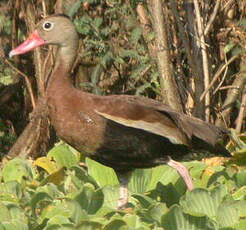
71 114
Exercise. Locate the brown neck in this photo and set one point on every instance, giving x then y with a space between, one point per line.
60 77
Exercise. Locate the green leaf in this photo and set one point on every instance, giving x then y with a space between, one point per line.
140 180
218 194
229 47
73 8
116 224
17 213
63 156
199 202
14 225
156 211
139 70
241 178
175 219
90 199
167 193
144 180
165 175
241 207
102 174
10 191
98 22
240 193
58 220
4 214
142 88
40 197
132 221
17 170
136 35
56 177
77 214
111 196
57 209
241 225
6 80
143 200
130 54
227 214
89 225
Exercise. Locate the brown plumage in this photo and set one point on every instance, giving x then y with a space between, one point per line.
123 132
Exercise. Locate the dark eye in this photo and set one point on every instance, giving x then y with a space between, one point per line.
48 26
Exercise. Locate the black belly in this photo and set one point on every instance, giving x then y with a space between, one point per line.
125 148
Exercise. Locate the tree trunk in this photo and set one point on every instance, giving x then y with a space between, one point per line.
169 90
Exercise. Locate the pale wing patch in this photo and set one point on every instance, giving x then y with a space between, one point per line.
156 127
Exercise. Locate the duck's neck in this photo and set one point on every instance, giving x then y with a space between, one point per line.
60 77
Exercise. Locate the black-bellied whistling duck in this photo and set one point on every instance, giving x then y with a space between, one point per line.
120 131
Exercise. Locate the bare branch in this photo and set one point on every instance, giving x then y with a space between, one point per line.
232 96
196 81
242 112
33 139
28 83
212 17
44 9
204 58
146 25
217 75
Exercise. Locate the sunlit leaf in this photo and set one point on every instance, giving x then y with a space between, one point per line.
63 156
175 219
199 202
47 164
102 174
17 170
227 214
56 177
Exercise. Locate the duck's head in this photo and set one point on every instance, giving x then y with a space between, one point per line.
57 30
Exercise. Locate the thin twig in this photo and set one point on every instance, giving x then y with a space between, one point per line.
44 9
221 80
241 114
217 75
28 83
212 17
198 39
228 4
231 97
48 61
204 58
146 26
143 16
228 87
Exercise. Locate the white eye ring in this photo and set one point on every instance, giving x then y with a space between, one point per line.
48 25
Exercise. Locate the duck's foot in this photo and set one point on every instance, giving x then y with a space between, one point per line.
183 172
123 198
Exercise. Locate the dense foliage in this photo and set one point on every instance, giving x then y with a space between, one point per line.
59 192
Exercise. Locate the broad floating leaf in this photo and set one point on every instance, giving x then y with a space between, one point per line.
64 156
17 169
102 174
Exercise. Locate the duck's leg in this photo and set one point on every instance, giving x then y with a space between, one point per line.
183 172
124 195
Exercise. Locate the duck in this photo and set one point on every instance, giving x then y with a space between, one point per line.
124 132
